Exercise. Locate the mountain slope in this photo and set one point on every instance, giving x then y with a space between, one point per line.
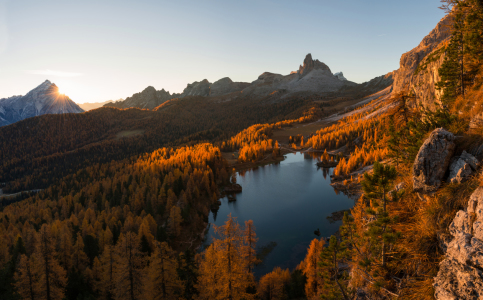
44 99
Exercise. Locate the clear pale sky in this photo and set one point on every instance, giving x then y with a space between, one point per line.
105 50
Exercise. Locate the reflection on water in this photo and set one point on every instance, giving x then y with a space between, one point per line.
287 203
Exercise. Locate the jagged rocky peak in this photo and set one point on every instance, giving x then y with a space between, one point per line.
340 75
149 91
44 99
197 88
310 64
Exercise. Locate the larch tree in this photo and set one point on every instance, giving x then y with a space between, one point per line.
128 268
52 277
27 278
311 269
249 248
223 268
65 247
272 286
233 280
79 257
189 274
174 221
209 273
162 281
107 270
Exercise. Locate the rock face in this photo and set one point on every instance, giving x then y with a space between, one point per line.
418 72
432 161
226 86
201 88
462 167
461 272
44 99
310 64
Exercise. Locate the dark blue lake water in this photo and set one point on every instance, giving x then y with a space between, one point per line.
287 202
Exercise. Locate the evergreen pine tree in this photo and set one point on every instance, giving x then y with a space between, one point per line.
376 189
332 257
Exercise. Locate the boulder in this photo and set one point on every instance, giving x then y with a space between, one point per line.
460 274
432 161
462 167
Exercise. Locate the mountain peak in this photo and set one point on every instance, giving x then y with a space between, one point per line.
310 64
43 86
44 99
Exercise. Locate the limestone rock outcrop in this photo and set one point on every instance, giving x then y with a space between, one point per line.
44 99
460 274
310 64
418 72
197 88
432 161
462 167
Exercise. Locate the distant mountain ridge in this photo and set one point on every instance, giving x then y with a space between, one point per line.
44 99
312 77
93 105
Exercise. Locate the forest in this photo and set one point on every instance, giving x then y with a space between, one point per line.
121 217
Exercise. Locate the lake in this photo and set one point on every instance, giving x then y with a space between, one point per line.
287 202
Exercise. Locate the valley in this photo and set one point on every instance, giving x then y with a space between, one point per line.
298 186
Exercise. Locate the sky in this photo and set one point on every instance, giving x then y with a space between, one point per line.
105 50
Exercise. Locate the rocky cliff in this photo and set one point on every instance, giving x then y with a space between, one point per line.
418 72
44 99
460 274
